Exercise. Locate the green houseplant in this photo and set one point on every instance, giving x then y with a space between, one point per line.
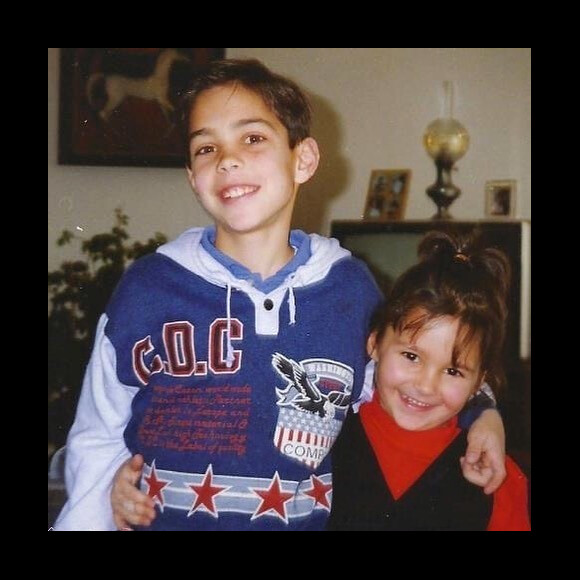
79 291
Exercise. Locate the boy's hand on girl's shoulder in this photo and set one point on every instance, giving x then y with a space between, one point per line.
131 507
479 473
484 461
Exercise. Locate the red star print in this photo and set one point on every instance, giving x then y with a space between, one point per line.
318 492
156 486
205 493
273 499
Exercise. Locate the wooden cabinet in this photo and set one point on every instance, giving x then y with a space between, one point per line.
390 247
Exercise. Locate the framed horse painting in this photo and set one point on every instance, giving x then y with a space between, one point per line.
118 106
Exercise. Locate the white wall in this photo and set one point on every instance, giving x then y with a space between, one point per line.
371 108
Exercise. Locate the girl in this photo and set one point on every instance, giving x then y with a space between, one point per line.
397 463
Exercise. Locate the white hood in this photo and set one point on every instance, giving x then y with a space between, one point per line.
187 251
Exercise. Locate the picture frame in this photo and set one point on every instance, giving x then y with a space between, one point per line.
118 105
387 194
500 198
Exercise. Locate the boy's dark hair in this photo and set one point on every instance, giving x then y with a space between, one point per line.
284 98
455 278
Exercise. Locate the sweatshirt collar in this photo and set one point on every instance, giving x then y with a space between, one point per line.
302 252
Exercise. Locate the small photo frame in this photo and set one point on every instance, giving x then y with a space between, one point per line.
500 198
387 195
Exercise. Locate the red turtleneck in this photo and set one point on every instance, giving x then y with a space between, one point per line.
405 455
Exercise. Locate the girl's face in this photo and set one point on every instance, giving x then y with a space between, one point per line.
416 381
242 168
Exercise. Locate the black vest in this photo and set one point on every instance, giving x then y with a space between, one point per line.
440 500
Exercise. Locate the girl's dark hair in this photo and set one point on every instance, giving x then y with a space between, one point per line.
284 98
455 277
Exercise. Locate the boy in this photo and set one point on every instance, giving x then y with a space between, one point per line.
228 359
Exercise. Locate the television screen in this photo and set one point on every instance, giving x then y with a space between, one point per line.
389 248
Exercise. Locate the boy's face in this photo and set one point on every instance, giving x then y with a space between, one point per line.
416 381
242 168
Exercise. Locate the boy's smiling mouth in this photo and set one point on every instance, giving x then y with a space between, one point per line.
237 191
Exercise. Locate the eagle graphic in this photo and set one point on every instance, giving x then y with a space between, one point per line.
301 393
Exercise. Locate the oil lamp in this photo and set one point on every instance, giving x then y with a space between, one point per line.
446 141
